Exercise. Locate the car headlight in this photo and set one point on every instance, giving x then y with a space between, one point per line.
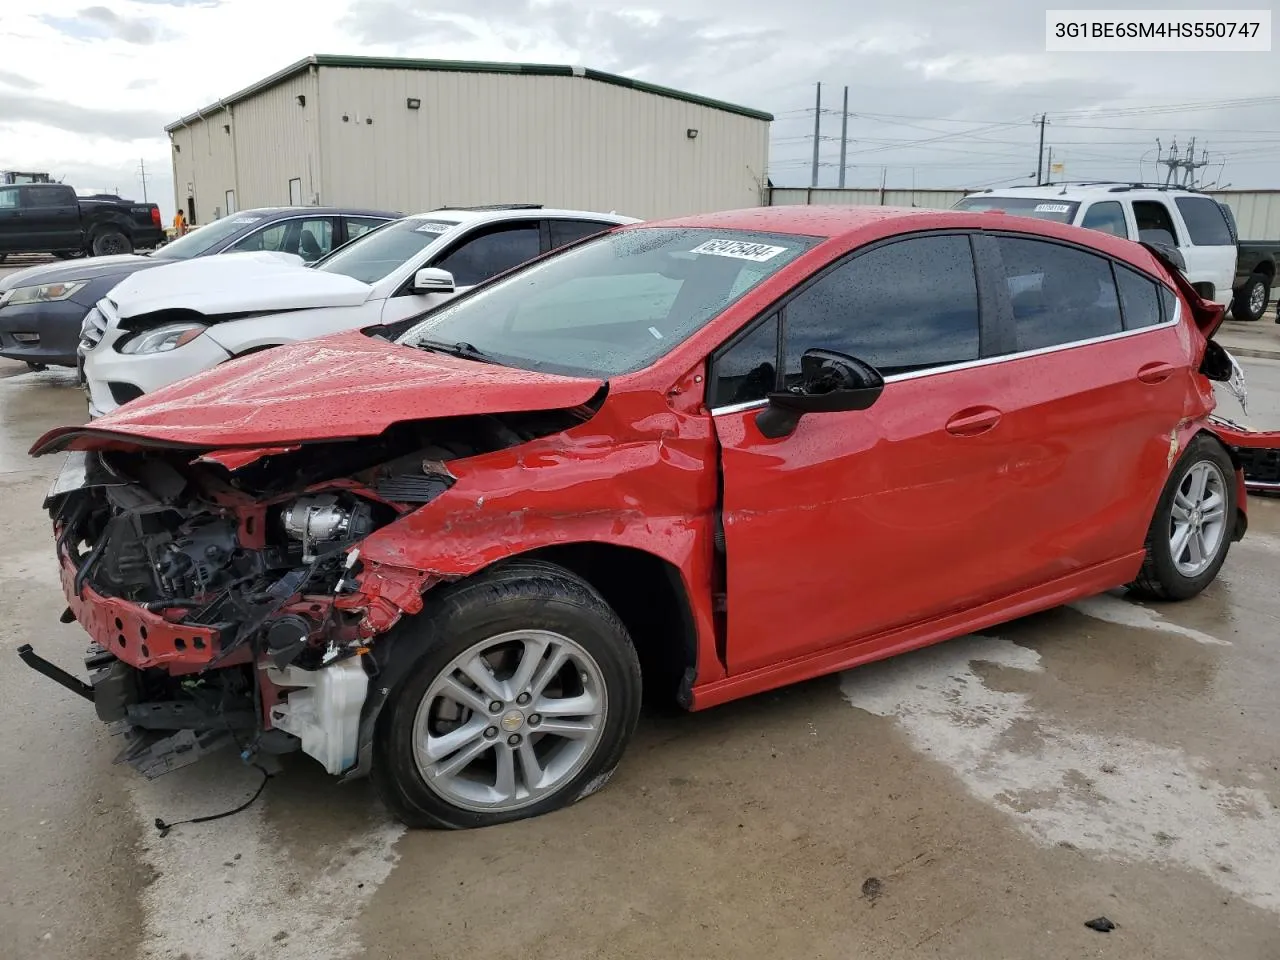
163 339
42 293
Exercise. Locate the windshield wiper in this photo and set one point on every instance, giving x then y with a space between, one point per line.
461 349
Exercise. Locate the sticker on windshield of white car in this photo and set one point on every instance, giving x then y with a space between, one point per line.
430 227
246 219
739 250
1052 207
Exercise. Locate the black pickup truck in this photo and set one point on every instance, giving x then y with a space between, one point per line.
50 218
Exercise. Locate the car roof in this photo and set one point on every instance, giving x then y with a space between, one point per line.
1071 192
266 212
461 215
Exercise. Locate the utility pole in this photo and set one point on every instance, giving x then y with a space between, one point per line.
142 175
1049 168
844 132
1040 154
817 133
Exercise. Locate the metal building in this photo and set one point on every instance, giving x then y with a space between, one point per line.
411 135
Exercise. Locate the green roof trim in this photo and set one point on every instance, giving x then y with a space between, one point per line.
461 66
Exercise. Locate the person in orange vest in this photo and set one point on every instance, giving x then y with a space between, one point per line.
179 223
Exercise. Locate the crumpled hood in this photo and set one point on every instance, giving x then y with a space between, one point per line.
260 282
88 268
331 388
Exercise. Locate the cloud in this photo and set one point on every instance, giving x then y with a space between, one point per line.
73 118
16 81
96 23
383 21
141 83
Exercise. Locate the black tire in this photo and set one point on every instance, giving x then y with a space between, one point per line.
35 366
68 254
110 241
1250 302
1160 578
521 594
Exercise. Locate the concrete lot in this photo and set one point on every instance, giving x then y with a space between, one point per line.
983 798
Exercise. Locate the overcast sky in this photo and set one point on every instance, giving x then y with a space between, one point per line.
86 87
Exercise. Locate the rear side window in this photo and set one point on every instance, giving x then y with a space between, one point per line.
909 305
1107 217
48 196
480 257
567 231
1060 295
1153 219
1139 299
359 226
9 199
1205 222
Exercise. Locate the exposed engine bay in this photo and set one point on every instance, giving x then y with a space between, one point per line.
222 590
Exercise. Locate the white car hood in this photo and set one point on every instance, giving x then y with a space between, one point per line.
236 283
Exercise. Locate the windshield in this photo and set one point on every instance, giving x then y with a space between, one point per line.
1056 210
381 251
612 305
203 239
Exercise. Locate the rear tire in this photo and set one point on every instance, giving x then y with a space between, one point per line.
1192 529
520 767
1250 301
110 241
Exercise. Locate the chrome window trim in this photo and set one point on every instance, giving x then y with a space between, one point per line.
275 223
990 361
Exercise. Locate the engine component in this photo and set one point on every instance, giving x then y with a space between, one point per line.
286 638
326 716
323 518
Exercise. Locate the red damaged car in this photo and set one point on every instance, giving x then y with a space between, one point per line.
720 453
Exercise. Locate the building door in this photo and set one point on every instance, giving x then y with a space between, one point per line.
231 202
295 192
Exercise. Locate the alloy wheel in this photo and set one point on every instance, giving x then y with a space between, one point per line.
1198 520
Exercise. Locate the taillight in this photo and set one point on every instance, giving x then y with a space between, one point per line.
155 216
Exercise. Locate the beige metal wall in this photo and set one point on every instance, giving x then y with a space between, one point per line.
1257 212
272 139
559 141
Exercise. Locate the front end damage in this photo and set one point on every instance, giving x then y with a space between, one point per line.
224 592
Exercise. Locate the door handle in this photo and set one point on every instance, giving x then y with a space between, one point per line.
1157 372
973 421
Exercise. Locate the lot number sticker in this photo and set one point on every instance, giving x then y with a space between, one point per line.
1052 207
432 228
246 219
739 250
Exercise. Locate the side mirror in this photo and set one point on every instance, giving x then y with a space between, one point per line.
433 280
830 382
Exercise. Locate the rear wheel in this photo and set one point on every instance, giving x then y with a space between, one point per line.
68 254
522 700
1191 532
1250 301
110 241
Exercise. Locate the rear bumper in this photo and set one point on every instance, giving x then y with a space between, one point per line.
1257 451
42 332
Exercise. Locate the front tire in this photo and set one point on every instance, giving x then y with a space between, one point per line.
1250 301
524 695
1191 531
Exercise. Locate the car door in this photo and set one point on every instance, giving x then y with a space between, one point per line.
472 259
1095 386
1211 249
11 235
51 217
859 522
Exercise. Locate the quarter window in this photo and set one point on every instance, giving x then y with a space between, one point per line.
1205 222
1108 217
1139 299
748 370
909 305
480 257
1059 295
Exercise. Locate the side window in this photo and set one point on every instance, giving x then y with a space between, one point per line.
1153 218
1205 222
1168 303
480 257
567 231
1139 299
748 370
1060 295
9 199
906 306
270 238
314 239
48 197
1107 216
359 226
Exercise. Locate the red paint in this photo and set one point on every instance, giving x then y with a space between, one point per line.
959 500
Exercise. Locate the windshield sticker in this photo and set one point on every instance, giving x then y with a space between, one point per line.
657 335
246 219
432 228
739 250
1052 208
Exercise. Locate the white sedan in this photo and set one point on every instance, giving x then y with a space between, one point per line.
168 323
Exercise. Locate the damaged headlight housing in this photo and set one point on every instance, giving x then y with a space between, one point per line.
163 339
42 293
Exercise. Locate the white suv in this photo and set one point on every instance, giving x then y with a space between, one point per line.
1177 217
168 323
